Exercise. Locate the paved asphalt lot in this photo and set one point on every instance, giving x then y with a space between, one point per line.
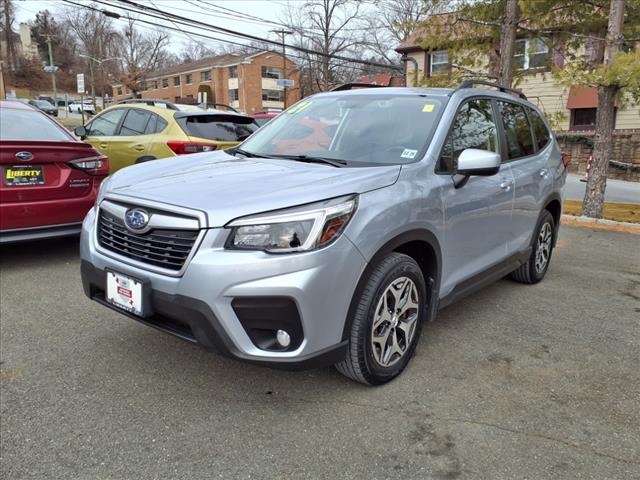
515 382
617 190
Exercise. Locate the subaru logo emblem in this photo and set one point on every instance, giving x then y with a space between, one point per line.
136 219
24 156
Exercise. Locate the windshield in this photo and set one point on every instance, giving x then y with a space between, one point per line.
43 104
382 129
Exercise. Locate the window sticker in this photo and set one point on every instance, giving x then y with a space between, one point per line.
299 107
408 153
428 107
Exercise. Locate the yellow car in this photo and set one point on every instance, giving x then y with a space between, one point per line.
132 133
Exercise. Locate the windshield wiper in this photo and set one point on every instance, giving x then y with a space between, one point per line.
335 162
246 154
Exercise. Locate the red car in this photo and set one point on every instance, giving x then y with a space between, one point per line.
50 179
263 118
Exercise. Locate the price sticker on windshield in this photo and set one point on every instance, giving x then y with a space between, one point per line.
409 153
428 107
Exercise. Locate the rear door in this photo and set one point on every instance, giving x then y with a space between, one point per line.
529 164
478 211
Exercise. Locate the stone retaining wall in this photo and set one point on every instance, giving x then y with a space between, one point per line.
625 159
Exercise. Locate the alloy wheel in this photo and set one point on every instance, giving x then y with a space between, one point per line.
543 248
394 321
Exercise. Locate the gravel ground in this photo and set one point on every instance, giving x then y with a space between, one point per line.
514 382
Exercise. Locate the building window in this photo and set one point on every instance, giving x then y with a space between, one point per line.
439 62
205 76
233 72
155 84
531 53
271 72
233 95
583 118
176 99
119 90
165 83
143 86
176 81
273 95
188 78
189 97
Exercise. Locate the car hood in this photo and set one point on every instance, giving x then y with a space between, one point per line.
226 187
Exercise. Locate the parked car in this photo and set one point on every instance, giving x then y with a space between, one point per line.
49 178
263 118
136 133
45 106
77 106
339 253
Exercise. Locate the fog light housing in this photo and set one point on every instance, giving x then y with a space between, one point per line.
284 339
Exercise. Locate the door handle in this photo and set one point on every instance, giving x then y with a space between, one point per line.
506 186
544 172
139 147
104 145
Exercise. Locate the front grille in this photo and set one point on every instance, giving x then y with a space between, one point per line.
159 247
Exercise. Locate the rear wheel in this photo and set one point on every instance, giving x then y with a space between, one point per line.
387 322
537 265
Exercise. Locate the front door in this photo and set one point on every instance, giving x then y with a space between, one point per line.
478 212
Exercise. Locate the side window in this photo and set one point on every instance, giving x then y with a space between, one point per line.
473 127
539 129
517 130
135 123
106 124
156 124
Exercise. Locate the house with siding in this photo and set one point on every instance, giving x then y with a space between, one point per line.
571 109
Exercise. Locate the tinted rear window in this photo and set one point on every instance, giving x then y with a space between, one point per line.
12 127
218 127
517 130
539 129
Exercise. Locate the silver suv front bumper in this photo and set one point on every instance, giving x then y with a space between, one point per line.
320 283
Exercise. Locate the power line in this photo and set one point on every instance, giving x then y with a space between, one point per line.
165 15
155 25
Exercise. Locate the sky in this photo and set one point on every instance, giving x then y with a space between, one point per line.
269 10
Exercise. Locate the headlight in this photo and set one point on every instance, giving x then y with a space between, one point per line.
297 229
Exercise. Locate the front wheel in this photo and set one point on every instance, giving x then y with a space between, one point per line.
387 321
537 265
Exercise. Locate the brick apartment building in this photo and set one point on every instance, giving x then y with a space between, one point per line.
246 82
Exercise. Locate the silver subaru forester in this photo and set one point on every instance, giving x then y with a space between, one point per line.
332 234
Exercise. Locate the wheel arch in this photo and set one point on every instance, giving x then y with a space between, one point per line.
421 245
553 204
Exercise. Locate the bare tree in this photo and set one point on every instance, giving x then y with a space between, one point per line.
9 37
142 53
391 22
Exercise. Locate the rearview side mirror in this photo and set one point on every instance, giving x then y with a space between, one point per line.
473 161
81 132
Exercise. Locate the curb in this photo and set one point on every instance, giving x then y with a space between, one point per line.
600 223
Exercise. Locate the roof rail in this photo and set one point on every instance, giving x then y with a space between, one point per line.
471 83
353 85
151 102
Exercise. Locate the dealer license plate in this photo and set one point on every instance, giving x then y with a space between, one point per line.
124 292
20 175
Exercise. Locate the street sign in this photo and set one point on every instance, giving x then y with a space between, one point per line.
51 69
80 81
283 82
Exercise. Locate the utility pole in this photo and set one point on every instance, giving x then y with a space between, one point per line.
283 34
53 74
3 91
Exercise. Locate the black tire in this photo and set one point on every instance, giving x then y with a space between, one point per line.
360 363
527 272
